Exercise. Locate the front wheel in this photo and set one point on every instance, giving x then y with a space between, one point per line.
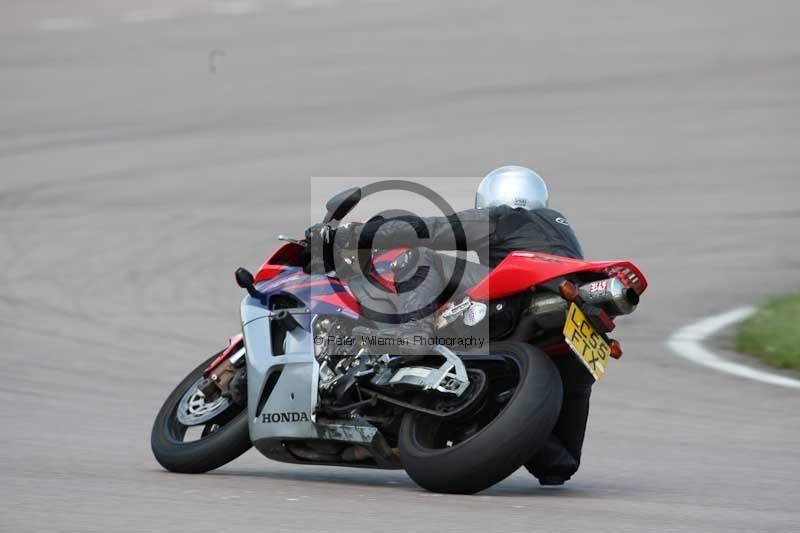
194 434
513 421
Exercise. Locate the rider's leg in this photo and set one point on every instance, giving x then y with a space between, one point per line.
421 279
425 279
561 455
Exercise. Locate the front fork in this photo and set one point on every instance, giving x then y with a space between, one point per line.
220 372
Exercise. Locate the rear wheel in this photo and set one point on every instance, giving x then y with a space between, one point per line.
512 422
194 434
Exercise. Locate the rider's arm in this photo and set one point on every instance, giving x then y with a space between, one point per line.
438 233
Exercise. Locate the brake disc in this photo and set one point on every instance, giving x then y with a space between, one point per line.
195 408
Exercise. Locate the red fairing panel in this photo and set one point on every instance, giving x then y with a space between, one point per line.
521 270
289 254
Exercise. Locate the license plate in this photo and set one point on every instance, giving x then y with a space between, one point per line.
588 345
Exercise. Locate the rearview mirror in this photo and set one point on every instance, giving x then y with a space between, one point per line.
342 203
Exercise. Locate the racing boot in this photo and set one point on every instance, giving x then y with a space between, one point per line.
553 464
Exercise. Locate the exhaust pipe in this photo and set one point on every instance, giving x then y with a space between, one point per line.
610 294
548 310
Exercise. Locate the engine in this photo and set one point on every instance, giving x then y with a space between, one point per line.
335 349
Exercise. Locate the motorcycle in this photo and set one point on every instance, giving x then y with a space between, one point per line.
297 386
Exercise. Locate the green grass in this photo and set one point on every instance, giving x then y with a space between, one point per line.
773 333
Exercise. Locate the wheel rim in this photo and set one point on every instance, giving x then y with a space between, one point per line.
442 434
195 409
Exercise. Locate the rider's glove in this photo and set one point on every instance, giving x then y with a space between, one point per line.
339 242
347 236
318 239
320 233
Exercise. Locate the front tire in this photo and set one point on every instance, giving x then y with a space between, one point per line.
224 438
468 456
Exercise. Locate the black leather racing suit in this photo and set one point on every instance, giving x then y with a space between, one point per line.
493 233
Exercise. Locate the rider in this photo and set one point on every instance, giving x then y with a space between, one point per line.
510 214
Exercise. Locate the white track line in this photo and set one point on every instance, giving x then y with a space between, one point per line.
236 7
65 23
310 4
150 15
687 343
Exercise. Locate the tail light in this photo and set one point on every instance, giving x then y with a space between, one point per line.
568 291
616 349
628 277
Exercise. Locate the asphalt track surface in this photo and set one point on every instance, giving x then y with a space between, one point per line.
133 181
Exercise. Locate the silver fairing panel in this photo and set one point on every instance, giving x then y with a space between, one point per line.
289 410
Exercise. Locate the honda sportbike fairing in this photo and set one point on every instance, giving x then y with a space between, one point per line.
456 422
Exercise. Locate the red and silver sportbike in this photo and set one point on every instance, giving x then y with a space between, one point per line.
456 422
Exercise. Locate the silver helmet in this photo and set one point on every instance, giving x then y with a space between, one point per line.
513 186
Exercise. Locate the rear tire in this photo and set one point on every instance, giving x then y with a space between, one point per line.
222 446
492 452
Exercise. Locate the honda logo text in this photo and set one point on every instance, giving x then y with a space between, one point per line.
275 418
